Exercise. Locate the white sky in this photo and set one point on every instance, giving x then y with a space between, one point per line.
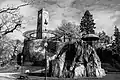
106 17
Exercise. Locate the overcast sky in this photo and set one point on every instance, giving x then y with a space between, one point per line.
106 13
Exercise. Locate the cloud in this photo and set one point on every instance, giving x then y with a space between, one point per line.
116 15
10 3
28 11
106 12
1 1
104 21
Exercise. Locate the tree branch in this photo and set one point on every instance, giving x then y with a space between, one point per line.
12 29
5 10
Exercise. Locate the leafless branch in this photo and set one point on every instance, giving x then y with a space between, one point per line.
7 9
6 32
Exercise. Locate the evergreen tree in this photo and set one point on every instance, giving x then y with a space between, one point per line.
116 34
117 39
87 24
104 38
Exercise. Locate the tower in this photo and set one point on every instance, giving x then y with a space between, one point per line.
42 22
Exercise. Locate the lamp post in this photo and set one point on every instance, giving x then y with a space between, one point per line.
22 64
45 61
45 45
22 77
43 22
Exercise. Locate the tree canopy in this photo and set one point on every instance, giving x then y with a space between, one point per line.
117 39
87 24
10 19
69 29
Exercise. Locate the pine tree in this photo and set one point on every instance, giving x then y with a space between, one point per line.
87 24
117 39
116 34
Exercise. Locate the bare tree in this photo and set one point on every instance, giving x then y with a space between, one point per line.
10 19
